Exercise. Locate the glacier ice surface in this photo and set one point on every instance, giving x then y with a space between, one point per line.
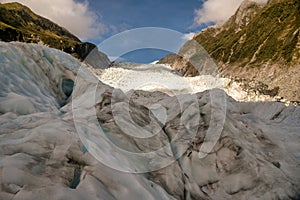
41 151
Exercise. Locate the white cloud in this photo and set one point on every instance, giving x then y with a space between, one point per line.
76 17
188 36
215 11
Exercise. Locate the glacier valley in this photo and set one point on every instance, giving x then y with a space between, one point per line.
137 132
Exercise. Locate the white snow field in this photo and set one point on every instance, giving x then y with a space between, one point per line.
161 77
66 135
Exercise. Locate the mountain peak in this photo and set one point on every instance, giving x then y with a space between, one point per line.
244 14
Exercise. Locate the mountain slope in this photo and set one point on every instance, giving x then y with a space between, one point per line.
19 23
268 34
258 43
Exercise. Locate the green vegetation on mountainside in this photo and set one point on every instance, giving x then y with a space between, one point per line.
19 23
271 36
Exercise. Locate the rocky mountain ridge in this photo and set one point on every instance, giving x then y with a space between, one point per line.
258 43
255 35
19 23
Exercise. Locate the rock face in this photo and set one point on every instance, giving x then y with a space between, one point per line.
92 56
256 43
19 23
209 146
180 64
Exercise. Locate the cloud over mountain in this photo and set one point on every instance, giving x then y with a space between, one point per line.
216 11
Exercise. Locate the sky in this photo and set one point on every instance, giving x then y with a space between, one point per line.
97 20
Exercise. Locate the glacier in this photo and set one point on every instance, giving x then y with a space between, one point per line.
64 134
161 77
